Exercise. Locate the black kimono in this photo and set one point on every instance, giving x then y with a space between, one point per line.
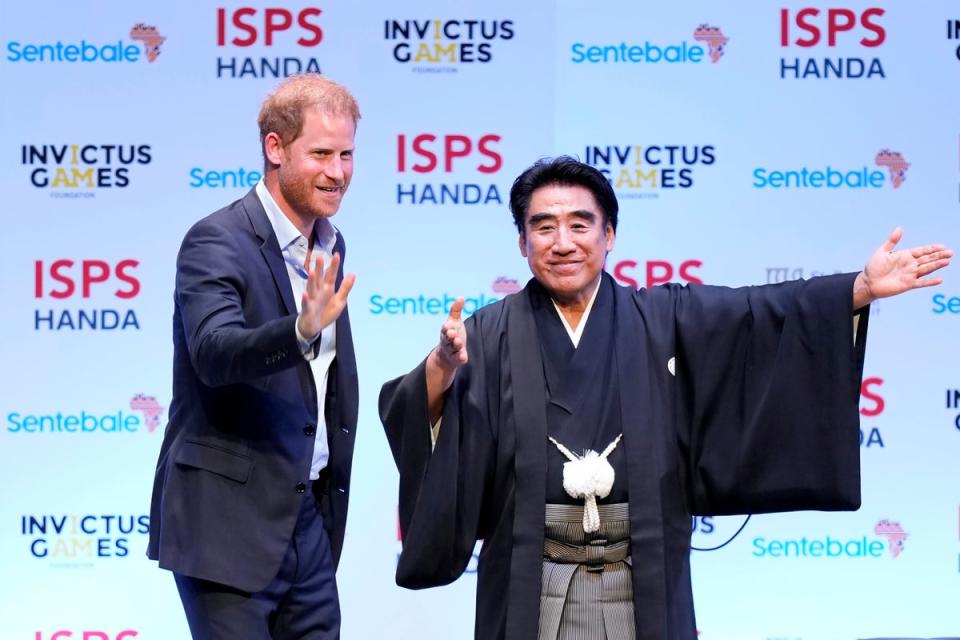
759 415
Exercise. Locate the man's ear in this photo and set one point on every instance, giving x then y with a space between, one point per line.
522 241
273 148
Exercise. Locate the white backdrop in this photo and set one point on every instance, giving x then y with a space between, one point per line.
105 163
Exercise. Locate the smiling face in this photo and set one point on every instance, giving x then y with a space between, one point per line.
314 170
565 241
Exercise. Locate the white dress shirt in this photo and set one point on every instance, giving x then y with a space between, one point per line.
294 248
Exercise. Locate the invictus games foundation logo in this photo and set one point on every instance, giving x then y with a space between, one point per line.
81 539
892 170
849 39
953 34
953 406
146 45
239 28
649 170
83 170
82 422
645 52
432 45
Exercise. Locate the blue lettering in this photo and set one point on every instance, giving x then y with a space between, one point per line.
39 548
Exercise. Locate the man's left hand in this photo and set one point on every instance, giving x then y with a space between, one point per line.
889 272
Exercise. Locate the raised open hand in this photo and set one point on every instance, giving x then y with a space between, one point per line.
322 303
889 272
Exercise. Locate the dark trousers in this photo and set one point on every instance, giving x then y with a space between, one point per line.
299 604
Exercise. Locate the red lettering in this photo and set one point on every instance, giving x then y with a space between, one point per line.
312 28
835 25
421 150
55 274
665 275
89 277
838 21
276 20
495 157
248 28
880 32
38 280
122 275
450 152
810 27
686 268
620 276
221 27
401 153
867 393
271 26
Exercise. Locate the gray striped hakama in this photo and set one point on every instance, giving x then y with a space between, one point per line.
586 593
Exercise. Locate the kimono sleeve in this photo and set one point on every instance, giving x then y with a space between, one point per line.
768 386
441 492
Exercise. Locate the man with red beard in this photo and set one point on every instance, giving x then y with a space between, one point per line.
250 495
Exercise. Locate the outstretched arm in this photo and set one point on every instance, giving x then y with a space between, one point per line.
889 272
448 356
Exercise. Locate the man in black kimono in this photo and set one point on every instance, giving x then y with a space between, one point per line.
703 400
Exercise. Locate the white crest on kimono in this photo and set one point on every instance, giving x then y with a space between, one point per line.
672 366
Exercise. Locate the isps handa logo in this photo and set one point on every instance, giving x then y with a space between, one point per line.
83 170
294 31
889 168
439 304
86 634
847 40
645 52
436 45
449 169
142 414
78 539
649 170
86 295
888 540
146 43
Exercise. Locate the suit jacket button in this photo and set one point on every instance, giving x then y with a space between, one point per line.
309 430
341 490
301 487
345 429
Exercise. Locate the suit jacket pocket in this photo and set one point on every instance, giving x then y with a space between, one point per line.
228 464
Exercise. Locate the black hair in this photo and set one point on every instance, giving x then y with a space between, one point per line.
564 171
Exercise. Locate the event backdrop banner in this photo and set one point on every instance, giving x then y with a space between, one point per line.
748 143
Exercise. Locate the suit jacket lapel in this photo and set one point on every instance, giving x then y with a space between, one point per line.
270 248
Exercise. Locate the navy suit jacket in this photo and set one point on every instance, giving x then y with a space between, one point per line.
238 446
